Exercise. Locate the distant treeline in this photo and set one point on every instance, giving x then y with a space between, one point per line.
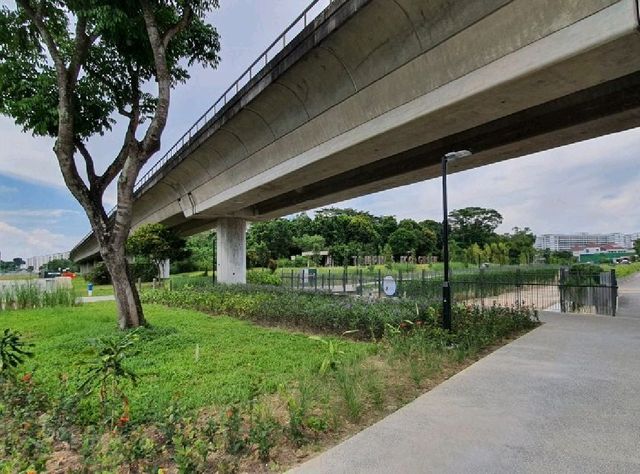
346 233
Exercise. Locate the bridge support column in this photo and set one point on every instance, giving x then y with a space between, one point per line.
231 250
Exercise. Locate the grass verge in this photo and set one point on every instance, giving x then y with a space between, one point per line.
214 393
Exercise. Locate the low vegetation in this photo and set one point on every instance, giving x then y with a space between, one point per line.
198 393
28 295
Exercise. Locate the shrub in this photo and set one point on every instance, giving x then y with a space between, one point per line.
259 277
99 275
29 295
322 312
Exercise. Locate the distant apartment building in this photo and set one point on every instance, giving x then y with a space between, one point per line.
560 242
37 262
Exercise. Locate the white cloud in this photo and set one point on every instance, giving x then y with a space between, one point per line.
588 186
15 242
26 157
38 213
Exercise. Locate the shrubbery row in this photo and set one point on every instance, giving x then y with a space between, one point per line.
328 313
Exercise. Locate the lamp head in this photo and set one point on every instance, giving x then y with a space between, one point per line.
456 155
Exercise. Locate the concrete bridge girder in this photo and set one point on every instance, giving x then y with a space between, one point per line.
396 76
356 107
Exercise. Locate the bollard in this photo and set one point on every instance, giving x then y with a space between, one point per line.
90 289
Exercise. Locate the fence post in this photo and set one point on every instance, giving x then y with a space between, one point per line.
481 285
303 275
399 282
329 285
518 288
379 283
323 280
563 304
614 292
361 284
344 280
292 278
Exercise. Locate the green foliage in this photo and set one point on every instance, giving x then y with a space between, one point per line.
263 432
474 225
202 248
20 296
260 277
520 244
99 275
232 355
121 56
472 284
157 243
109 375
39 413
13 351
60 264
333 357
636 246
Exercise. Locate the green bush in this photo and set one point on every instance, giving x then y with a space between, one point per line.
474 283
316 311
28 296
261 277
144 271
99 275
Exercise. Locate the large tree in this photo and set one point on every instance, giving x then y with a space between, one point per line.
157 243
474 225
69 68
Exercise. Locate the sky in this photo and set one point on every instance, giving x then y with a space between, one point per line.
591 186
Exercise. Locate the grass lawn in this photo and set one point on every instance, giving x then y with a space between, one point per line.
623 270
250 398
233 356
80 288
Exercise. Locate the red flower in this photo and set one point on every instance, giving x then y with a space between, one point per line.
123 420
27 377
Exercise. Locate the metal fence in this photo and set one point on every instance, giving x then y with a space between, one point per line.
549 289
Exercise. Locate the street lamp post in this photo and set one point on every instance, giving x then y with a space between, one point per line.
446 287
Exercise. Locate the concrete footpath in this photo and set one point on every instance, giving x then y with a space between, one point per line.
563 398
629 297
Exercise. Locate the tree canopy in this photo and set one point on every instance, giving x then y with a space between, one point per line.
157 243
71 68
474 225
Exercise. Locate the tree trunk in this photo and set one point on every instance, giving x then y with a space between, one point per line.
130 313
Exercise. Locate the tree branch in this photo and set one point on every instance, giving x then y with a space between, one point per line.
130 145
184 21
82 44
88 161
151 141
36 18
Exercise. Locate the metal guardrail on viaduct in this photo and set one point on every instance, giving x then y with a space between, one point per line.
369 94
228 96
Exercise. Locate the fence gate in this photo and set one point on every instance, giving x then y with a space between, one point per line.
588 292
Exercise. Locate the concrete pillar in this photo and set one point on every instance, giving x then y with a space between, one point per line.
231 250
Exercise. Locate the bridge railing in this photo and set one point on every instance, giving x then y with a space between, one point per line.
296 26
274 48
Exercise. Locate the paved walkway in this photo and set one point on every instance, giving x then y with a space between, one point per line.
629 297
95 299
563 398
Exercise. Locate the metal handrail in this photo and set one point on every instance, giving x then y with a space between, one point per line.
263 59
225 98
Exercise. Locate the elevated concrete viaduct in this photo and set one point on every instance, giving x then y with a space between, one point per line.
372 93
